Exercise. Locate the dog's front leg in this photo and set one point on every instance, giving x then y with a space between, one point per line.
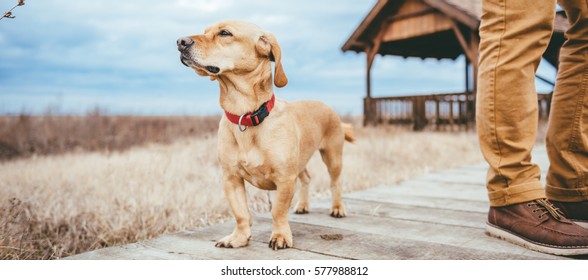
234 188
281 234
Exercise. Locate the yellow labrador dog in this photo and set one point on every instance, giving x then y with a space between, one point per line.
263 140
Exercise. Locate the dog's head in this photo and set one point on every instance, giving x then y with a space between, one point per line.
231 47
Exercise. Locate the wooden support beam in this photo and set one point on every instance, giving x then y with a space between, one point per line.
462 41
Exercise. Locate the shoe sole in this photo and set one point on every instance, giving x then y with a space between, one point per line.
535 246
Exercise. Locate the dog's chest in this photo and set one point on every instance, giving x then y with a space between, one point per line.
255 168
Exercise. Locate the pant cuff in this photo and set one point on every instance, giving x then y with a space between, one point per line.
566 194
516 194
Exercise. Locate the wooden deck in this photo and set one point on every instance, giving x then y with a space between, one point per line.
436 216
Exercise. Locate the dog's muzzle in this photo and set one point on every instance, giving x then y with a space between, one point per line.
184 45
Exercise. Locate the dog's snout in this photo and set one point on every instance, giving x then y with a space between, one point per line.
184 43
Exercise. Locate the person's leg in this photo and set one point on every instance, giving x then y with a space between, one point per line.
567 135
514 34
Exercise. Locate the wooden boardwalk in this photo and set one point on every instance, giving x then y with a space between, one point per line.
440 215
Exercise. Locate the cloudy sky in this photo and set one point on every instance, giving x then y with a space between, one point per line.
120 56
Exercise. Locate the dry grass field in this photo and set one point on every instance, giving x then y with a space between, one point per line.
55 202
25 135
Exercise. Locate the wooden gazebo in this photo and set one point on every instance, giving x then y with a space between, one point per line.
430 29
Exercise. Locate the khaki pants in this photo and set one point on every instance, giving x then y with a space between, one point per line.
514 34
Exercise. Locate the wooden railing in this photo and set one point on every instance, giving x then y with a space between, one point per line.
448 111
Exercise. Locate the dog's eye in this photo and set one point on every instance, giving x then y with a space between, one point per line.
225 33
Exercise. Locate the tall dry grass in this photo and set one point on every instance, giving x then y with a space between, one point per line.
53 206
26 135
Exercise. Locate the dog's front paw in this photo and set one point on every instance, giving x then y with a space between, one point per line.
338 211
281 240
234 240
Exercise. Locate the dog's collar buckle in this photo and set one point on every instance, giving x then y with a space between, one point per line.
252 119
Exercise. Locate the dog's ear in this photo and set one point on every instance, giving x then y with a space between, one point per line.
268 45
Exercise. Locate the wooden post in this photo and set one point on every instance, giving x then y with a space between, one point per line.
470 49
370 59
467 76
461 114
474 46
469 106
367 108
419 113
437 113
549 97
371 51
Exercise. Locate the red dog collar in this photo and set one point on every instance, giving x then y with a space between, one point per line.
254 118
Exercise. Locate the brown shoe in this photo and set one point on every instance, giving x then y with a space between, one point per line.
539 226
575 211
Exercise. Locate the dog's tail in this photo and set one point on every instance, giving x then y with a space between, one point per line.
348 131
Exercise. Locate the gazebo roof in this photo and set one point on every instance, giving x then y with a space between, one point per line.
422 28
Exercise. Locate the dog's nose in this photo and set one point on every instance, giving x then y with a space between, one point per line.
184 43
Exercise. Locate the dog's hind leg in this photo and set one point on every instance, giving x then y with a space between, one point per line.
332 157
302 206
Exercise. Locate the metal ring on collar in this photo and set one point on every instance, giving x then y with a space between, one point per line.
239 124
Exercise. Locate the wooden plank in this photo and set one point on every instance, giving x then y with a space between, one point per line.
429 202
455 178
424 188
354 245
414 19
134 251
410 14
382 243
407 212
257 249
199 245
465 238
